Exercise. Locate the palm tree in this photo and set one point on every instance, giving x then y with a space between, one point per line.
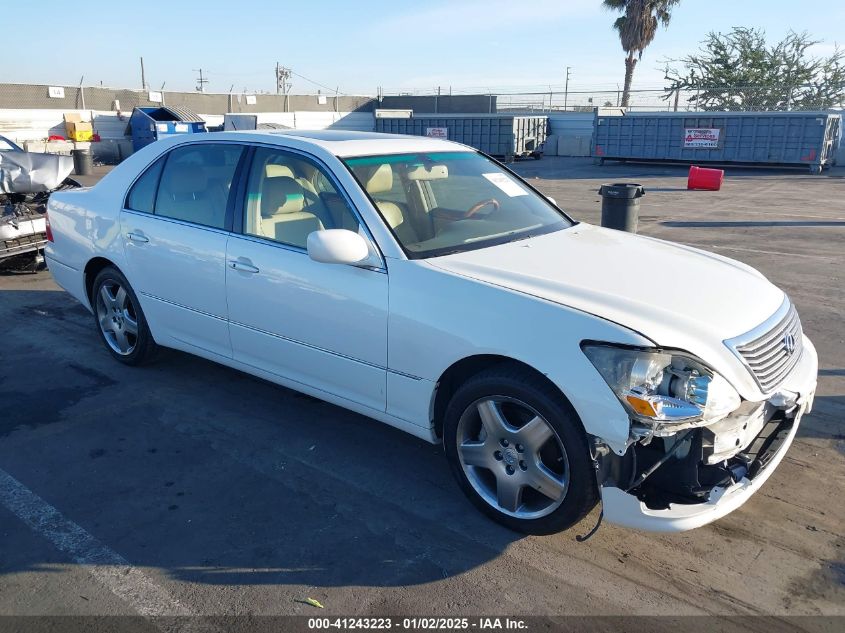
637 28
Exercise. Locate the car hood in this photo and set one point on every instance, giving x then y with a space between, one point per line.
675 295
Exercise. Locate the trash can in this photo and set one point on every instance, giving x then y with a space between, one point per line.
83 162
706 179
620 205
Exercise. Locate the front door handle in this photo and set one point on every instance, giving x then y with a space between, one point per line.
137 237
237 264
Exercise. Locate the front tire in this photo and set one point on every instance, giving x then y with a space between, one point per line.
518 451
120 321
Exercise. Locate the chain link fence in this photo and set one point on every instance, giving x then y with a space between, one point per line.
687 99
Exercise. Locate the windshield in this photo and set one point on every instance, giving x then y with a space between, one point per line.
445 202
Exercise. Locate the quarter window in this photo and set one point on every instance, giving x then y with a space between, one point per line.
195 183
289 197
143 193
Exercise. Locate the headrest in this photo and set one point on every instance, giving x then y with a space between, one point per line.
380 179
272 171
187 179
392 213
281 194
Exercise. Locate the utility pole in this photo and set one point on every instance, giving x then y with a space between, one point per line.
282 79
201 81
283 82
566 88
143 77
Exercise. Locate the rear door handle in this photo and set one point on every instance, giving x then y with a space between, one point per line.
137 237
237 264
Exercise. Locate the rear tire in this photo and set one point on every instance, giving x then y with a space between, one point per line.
518 451
120 321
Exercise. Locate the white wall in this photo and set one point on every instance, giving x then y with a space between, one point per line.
35 125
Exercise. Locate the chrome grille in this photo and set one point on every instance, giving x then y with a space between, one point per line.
772 354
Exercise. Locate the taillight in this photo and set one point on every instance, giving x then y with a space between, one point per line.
49 230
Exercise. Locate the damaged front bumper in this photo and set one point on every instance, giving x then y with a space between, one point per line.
706 480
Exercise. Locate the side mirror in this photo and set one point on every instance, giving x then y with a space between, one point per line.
337 246
552 200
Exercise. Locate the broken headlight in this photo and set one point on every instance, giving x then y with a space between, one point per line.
663 386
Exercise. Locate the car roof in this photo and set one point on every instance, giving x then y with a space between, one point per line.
348 143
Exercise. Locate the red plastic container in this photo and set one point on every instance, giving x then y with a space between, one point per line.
706 179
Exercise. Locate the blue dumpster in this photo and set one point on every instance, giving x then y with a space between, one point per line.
149 124
806 139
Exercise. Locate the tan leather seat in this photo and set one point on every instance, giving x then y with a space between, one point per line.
282 214
273 170
379 181
185 194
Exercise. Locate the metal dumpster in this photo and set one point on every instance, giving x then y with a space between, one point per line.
805 139
256 121
149 124
506 136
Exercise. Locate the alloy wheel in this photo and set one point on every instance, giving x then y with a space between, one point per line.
513 457
117 317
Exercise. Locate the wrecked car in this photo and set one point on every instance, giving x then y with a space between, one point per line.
26 180
419 282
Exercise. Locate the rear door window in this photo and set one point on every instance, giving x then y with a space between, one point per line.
195 183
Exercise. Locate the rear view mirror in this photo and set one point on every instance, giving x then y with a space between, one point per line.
430 172
337 246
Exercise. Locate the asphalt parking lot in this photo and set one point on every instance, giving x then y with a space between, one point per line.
196 489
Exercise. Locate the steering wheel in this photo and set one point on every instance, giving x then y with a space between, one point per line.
480 205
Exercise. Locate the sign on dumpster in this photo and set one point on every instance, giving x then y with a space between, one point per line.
701 137
437 132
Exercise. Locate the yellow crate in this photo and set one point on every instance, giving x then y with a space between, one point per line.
80 135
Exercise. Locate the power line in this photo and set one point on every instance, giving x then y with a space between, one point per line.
316 83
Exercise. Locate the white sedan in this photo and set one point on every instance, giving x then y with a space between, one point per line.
420 283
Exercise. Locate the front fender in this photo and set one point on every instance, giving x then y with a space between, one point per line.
438 318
